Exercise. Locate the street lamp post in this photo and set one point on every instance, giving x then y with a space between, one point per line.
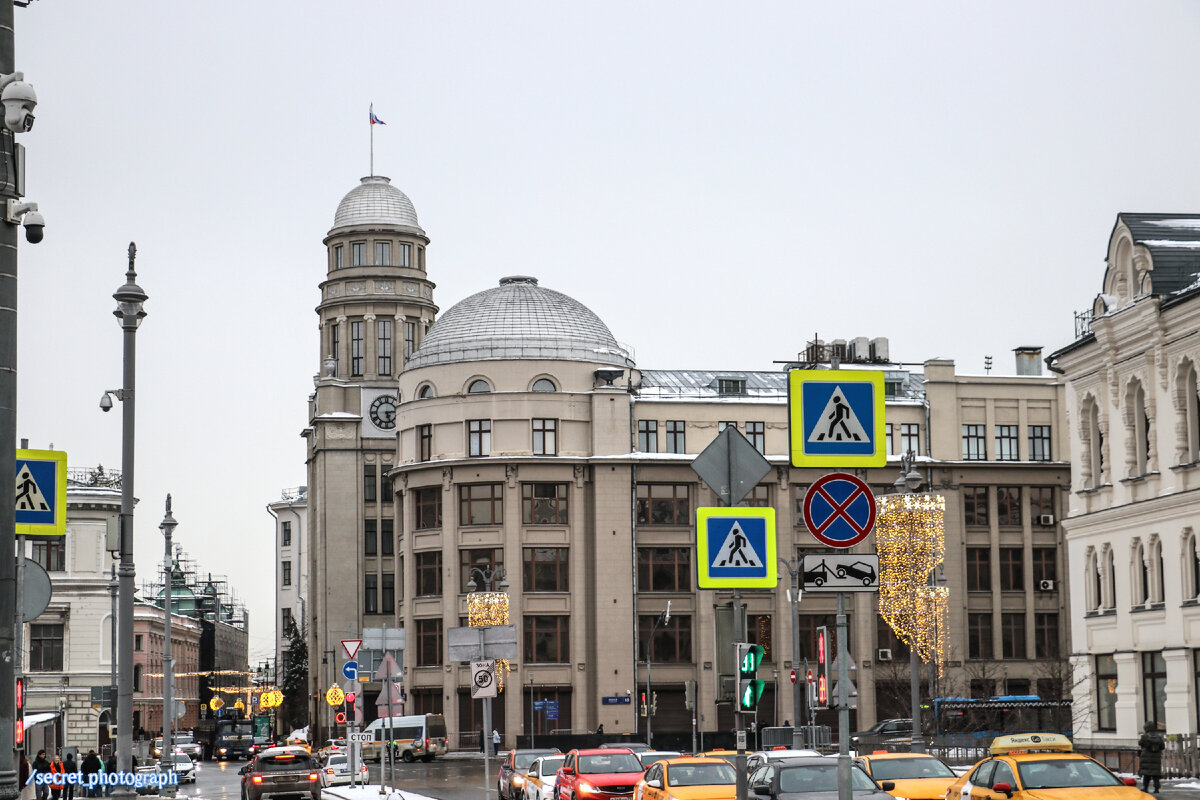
167 755
799 686
487 575
130 299
662 619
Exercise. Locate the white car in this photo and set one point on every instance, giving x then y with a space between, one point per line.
542 777
184 767
336 771
754 760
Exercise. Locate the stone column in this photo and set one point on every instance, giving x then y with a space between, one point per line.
1129 696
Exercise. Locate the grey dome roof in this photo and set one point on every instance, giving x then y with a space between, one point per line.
376 203
519 319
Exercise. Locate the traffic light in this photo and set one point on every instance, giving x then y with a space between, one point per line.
750 689
822 687
340 718
350 699
643 703
19 724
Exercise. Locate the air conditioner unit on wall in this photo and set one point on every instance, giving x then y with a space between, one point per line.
883 654
1046 519
1045 586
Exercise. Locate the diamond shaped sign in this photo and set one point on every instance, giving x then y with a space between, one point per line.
731 466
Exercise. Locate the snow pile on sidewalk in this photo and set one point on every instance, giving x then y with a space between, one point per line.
371 792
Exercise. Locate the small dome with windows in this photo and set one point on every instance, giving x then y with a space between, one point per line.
375 203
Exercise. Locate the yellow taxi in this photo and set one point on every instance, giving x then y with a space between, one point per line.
1041 766
688 779
917 776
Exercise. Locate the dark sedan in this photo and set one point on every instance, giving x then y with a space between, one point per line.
813 779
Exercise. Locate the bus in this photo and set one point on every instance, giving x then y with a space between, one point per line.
421 736
1001 714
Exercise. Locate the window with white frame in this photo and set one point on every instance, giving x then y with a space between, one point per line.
405 252
358 254
383 254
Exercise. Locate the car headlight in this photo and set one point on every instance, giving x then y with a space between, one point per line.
584 786
518 780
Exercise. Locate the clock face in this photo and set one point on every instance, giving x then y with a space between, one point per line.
383 412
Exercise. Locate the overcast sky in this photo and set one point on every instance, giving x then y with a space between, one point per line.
719 182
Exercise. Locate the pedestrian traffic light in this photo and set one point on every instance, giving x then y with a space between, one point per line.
643 703
750 689
822 682
19 724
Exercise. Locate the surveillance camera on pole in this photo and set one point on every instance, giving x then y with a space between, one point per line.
19 101
26 214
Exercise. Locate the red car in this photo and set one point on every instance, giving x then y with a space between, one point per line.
599 774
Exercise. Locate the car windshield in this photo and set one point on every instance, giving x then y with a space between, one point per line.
521 761
183 758
820 778
894 769
551 765
338 761
701 775
617 762
1064 772
183 738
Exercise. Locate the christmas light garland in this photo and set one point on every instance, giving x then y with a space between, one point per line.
485 609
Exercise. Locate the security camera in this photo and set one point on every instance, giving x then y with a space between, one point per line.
27 214
106 403
19 100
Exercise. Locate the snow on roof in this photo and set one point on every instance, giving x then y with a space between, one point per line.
1193 224
1169 243
38 719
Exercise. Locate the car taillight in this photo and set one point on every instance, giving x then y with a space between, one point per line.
329 770
257 779
312 776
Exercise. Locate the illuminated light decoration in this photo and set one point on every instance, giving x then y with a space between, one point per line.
910 537
485 609
335 696
216 703
822 666
239 705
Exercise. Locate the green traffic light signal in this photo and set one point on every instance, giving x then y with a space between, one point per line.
749 657
749 693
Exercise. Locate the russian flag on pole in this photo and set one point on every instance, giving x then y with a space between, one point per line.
374 119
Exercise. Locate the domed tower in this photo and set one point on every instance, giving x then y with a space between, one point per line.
376 304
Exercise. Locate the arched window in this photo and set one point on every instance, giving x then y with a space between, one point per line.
1191 565
425 392
1187 405
1110 581
1092 471
1158 592
544 385
1092 586
1140 574
479 386
1137 431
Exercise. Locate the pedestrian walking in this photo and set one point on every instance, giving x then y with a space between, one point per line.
71 768
58 772
496 740
92 767
28 790
1150 749
110 766
41 764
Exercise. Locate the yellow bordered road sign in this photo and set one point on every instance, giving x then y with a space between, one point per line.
41 492
735 548
836 418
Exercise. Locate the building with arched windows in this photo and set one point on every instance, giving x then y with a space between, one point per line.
1132 398
515 434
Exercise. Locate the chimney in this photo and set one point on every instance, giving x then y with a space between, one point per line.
1029 360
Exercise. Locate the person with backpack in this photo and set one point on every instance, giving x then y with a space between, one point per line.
1150 749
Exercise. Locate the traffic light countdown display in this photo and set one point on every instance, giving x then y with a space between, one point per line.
19 725
750 689
822 688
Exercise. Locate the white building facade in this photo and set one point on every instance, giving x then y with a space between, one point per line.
290 513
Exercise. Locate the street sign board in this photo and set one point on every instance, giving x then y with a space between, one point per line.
361 737
41 493
483 679
350 670
388 668
731 466
616 700
383 638
471 644
835 418
350 646
839 510
551 709
841 572
735 548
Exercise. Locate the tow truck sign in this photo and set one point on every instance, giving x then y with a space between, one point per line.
841 572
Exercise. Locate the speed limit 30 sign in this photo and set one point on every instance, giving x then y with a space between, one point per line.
483 679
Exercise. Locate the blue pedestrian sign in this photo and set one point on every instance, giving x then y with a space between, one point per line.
836 418
350 670
41 493
735 548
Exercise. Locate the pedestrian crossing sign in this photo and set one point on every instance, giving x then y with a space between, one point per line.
41 507
836 418
735 548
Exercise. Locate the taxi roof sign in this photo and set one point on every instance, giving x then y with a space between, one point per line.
1029 742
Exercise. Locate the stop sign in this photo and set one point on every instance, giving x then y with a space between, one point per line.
793 677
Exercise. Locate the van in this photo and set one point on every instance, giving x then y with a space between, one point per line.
422 736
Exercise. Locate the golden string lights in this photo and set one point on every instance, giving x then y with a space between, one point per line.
910 536
483 610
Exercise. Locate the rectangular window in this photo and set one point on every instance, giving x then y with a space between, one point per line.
385 487
370 538
545 437
428 566
545 569
387 599
369 486
338 257
547 639
479 437
756 433
286 619
45 648
335 347
420 258
1045 636
358 254
664 569
974 443
1106 693
1045 565
889 444
481 504
424 442
979 569
663 504
1041 505
285 573
429 642
387 536
1154 689
383 254
910 437
975 505
50 553
137 642
647 436
1008 505
428 507
285 534
405 255
1006 443
383 330
370 593
1012 635
1012 569
483 560
544 503
410 338
979 635
676 442
672 641
1039 442
356 349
